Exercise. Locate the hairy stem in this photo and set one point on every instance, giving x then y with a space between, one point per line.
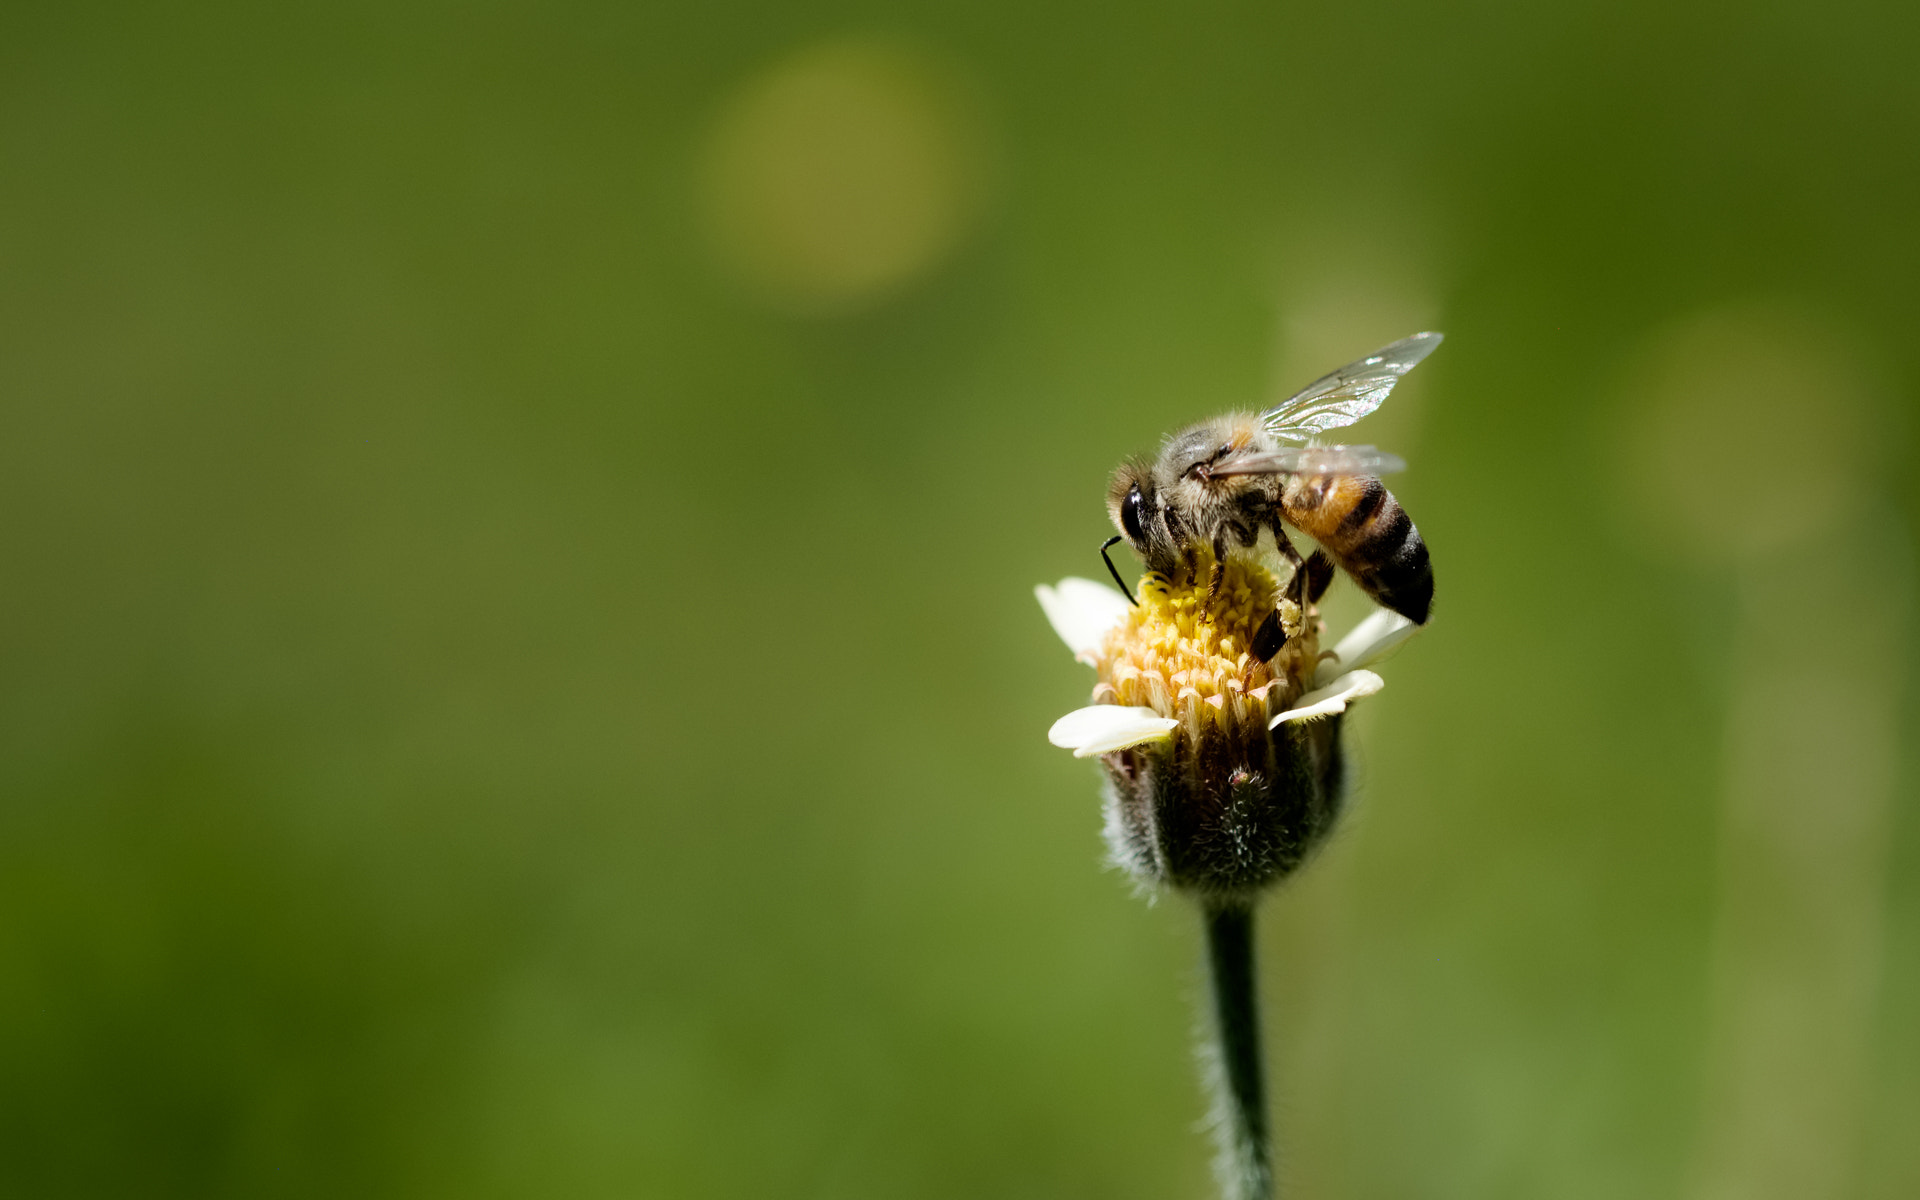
1244 1164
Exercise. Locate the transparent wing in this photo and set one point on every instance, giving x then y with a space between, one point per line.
1314 460
1349 393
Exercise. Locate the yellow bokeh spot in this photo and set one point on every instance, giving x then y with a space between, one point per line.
843 173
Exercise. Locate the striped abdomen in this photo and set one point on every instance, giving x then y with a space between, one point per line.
1366 531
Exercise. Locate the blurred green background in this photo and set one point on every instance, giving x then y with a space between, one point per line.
518 668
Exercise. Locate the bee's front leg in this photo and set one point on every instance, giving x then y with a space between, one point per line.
1219 571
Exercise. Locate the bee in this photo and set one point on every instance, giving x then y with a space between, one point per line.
1220 483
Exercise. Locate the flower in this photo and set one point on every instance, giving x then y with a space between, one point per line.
1223 769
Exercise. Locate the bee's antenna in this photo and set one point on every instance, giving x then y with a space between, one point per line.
1115 571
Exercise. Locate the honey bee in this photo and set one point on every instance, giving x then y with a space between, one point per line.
1219 483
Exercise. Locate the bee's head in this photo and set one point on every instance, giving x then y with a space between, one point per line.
1140 512
1131 503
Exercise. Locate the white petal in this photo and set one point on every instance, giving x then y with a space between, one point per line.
1324 702
1371 640
1081 612
1105 727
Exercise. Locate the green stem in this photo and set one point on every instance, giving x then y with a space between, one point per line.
1244 1165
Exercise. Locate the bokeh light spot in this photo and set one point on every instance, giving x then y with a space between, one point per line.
843 173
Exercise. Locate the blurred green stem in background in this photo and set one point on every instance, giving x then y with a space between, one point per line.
1812 749
1239 1119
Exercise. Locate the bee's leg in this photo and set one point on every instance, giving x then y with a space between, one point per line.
1319 573
1268 639
1284 544
1296 589
1219 572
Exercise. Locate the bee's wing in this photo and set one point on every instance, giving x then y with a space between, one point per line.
1314 460
1349 393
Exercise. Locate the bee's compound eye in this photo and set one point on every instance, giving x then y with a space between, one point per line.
1131 510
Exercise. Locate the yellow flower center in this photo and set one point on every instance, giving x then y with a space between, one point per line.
1187 655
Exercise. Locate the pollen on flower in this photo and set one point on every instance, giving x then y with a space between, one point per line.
1186 655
